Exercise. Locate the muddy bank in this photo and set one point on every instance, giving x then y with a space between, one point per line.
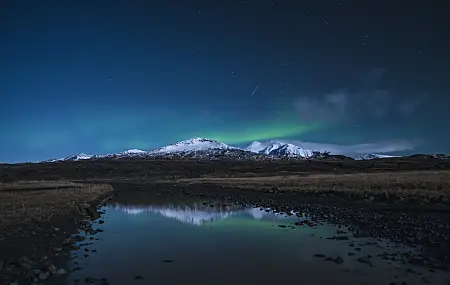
36 249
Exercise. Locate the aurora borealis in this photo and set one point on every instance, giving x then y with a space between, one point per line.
105 76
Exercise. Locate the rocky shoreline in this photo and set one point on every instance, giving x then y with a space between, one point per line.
39 252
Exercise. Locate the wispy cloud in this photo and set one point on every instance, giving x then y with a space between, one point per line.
330 107
341 105
381 147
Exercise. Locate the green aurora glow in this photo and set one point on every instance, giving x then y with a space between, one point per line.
262 132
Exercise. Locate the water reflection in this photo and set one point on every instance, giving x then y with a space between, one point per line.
202 214
212 243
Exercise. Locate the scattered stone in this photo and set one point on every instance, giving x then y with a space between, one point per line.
60 272
138 277
282 226
365 259
43 275
52 269
320 255
79 238
101 222
167 260
26 263
89 280
339 260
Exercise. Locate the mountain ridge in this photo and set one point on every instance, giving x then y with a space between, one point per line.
204 148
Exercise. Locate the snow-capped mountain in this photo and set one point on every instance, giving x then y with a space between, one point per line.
369 156
264 148
290 150
83 156
77 157
278 149
203 148
192 145
133 151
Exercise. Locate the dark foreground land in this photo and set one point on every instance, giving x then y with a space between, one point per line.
42 205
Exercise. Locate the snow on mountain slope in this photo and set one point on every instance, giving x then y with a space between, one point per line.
369 156
77 157
192 145
271 148
280 149
290 150
134 151
203 148
264 148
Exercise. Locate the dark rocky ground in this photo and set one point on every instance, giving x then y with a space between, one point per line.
149 170
40 252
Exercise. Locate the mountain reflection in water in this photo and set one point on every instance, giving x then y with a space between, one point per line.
201 214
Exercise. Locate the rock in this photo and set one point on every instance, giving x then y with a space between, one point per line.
365 259
79 238
43 275
167 260
320 255
341 238
416 260
52 269
138 277
60 272
89 280
57 249
26 263
282 226
101 222
339 260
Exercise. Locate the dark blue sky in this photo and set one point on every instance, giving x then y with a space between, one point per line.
105 76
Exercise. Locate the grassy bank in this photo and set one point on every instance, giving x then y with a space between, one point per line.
28 202
423 184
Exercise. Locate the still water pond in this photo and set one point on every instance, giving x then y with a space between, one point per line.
204 243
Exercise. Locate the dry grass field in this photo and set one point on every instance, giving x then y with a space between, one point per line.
428 184
25 202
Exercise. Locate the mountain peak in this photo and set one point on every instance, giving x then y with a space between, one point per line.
196 140
133 151
193 145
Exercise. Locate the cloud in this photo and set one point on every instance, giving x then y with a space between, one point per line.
329 108
342 105
408 107
380 147
369 102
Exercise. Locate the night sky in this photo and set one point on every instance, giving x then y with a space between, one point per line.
106 76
